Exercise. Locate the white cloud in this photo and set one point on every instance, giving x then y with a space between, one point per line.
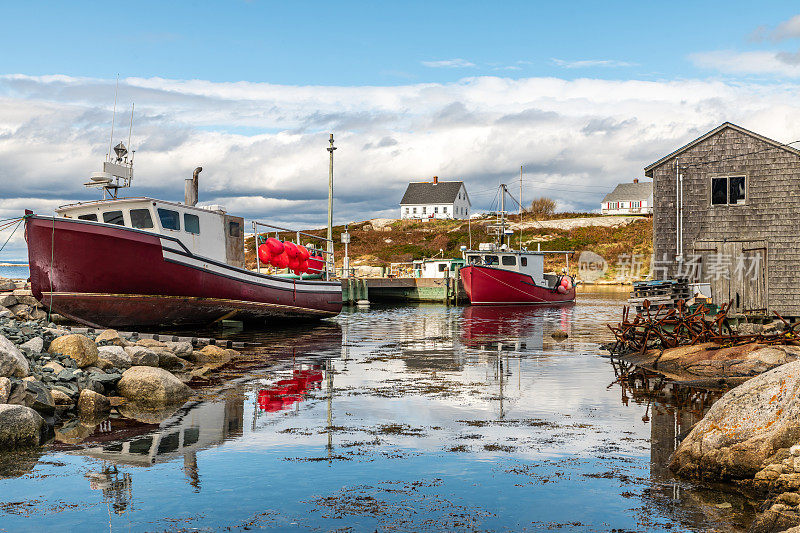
571 135
449 63
754 62
592 63
788 29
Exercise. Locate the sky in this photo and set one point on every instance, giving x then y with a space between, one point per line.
583 96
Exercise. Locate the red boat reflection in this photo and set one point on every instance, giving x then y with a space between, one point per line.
284 393
511 327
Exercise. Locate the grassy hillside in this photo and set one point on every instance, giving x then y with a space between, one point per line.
405 240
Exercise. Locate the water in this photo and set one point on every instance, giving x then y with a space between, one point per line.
14 269
421 418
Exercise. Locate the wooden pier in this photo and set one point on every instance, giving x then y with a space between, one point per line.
444 290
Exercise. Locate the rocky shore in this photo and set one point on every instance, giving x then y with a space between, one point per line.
52 379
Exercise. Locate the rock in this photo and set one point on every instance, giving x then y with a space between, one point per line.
152 386
111 336
141 356
795 450
26 297
171 361
748 328
35 345
5 389
56 332
5 313
744 428
38 397
80 348
12 362
7 300
147 414
19 427
114 356
212 354
7 284
55 367
92 405
74 432
61 398
22 311
181 349
151 343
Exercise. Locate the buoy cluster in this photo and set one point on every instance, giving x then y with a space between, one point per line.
565 285
289 255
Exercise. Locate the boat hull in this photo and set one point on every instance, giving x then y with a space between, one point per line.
494 286
113 276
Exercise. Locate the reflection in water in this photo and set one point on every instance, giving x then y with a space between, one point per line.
397 418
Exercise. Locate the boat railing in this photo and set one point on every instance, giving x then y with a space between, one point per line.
328 269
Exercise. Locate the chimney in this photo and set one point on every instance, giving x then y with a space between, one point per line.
435 180
636 180
191 187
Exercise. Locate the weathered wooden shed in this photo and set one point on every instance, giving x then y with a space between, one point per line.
727 212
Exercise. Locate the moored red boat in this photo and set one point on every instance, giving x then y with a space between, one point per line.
147 262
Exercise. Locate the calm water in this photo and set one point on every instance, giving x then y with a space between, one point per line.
426 418
14 271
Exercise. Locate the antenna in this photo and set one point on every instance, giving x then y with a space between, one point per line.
130 130
113 118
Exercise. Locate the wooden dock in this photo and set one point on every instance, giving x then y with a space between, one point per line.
445 290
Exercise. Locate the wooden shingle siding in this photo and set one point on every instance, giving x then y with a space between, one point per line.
771 215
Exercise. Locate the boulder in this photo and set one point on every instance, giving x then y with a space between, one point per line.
213 354
181 349
5 389
20 426
92 405
152 386
55 367
61 398
141 356
22 311
12 362
80 348
35 345
745 428
114 356
5 313
171 361
24 296
151 343
38 397
7 300
74 432
111 336
7 284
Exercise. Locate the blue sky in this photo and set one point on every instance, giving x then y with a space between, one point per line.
583 96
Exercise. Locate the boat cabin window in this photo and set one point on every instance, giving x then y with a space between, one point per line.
472 259
233 229
490 259
523 261
509 260
140 218
113 217
191 223
169 219
442 267
88 217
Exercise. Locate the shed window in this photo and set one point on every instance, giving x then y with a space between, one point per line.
728 190
88 217
233 229
191 223
140 218
113 217
509 260
169 219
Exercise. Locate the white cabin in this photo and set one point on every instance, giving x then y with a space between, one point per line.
435 200
525 262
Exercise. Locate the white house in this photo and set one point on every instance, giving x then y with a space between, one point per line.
629 199
435 199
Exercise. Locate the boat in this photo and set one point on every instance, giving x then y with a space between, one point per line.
496 274
140 261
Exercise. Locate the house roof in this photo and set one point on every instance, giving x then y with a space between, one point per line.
626 192
648 170
426 192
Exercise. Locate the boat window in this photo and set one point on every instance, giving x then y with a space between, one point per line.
191 436
88 217
140 218
233 229
474 259
191 223
523 261
442 267
169 443
113 217
509 260
490 259
169 219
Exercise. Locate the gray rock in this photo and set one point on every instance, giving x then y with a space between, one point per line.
152 386
5 313
67 374
7 300
5 389
141 356
171 361
12 362
22 311
54 367
39 397
181 349
7 284
35 345
20 426
66 391
114 356
61 397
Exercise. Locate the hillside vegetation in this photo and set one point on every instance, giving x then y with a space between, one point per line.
381 241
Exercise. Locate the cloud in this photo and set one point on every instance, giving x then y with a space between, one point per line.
592 63
449 63
755 62
788 29
263 146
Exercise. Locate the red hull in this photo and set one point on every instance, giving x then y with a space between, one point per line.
114 276
495 286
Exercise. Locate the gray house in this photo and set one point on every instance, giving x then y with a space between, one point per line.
629 199
727 208
435 199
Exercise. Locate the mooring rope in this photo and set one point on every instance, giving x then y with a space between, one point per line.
20 220
52 258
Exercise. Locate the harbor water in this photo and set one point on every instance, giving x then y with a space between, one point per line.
407 418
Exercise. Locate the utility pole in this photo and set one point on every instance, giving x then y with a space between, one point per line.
330 149
520 193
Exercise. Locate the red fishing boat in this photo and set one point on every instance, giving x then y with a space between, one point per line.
122 262
495 274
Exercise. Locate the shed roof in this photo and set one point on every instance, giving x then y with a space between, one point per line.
426 192
626 192
648 170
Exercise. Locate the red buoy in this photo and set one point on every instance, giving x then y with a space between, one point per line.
264 254
304 253
282 260
291 249
275 246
